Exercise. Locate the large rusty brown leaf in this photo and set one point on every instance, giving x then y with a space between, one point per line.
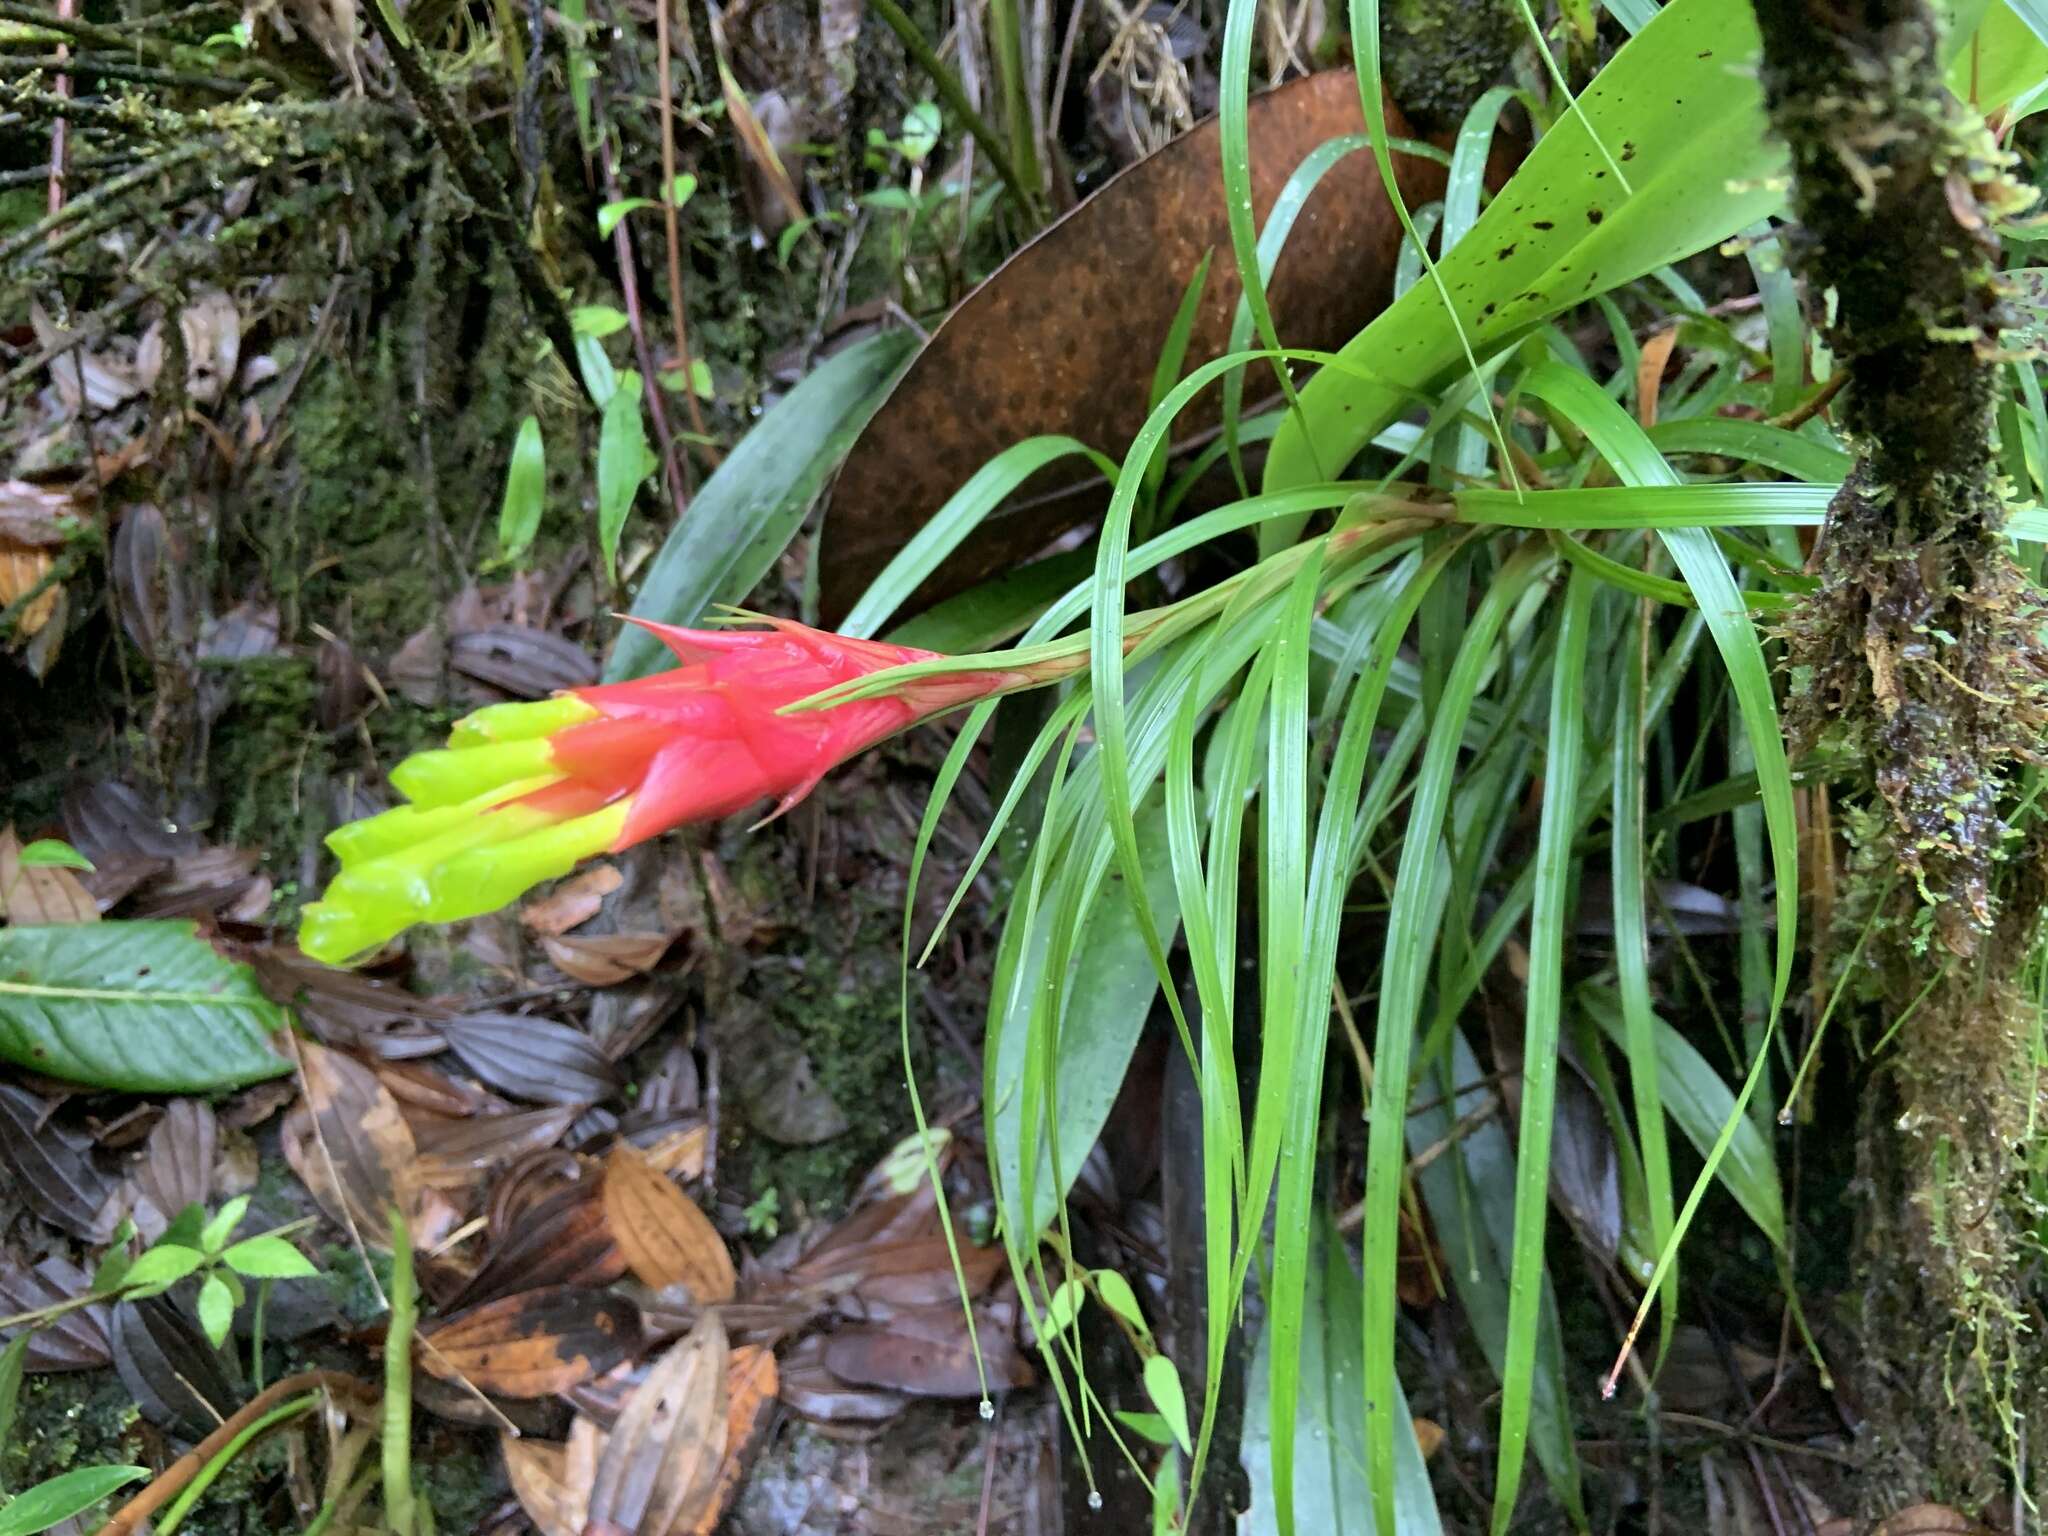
535 1343
928 1352
665 1238
659 1468
350 1145
1065 336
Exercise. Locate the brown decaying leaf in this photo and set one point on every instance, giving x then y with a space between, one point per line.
39 894
179 1380
351 1147
809 1388
426 1094
1063 339
454 1154
665 1238
534 1343
928 1352
606 959
751 1380
534 1059
38 515
176 1168
73 1341
575 901
660 1463
538 1471
23 568
53 1168
564 1238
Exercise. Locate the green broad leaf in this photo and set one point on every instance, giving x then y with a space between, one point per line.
112 1268
145 1007
526 484
609 215
1062 1308
920 131
624 461
216 1310
1162 1385
697 380
1332 1494
53 853
1681 107
681 190
218 1230
185 1227
600 374
1110 988
12 1360
894 199
73 1493
1149 1426
160 1267
598 320
1703 1105
2004 58
1115 1293
1166 1496
268 1258
744 516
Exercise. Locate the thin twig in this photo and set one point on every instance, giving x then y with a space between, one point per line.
173 1478
452 130
948 87
672 219
60 139
107 192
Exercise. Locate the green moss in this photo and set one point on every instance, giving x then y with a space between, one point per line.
76 1419
1440 56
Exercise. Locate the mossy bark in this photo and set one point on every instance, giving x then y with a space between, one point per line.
1439 56
1918 655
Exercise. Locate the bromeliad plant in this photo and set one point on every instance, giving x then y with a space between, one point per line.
1538 569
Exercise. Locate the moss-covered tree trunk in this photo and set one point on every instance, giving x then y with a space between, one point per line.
1918 655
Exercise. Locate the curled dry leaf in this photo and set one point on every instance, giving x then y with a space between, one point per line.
574 902
454 1154
350 1146
606 959
665 1238
808 1387
526 663
530 1058
534 1343
660 1464
40 894
563 1238
37 515
928 1352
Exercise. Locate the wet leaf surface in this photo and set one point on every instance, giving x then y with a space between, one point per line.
606 959
454 1154
1064 338
531 1058
534 1343
665 1238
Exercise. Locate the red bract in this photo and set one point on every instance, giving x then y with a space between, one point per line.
523 792
708 738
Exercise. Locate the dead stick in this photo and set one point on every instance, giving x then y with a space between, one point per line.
172 1480
482 184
